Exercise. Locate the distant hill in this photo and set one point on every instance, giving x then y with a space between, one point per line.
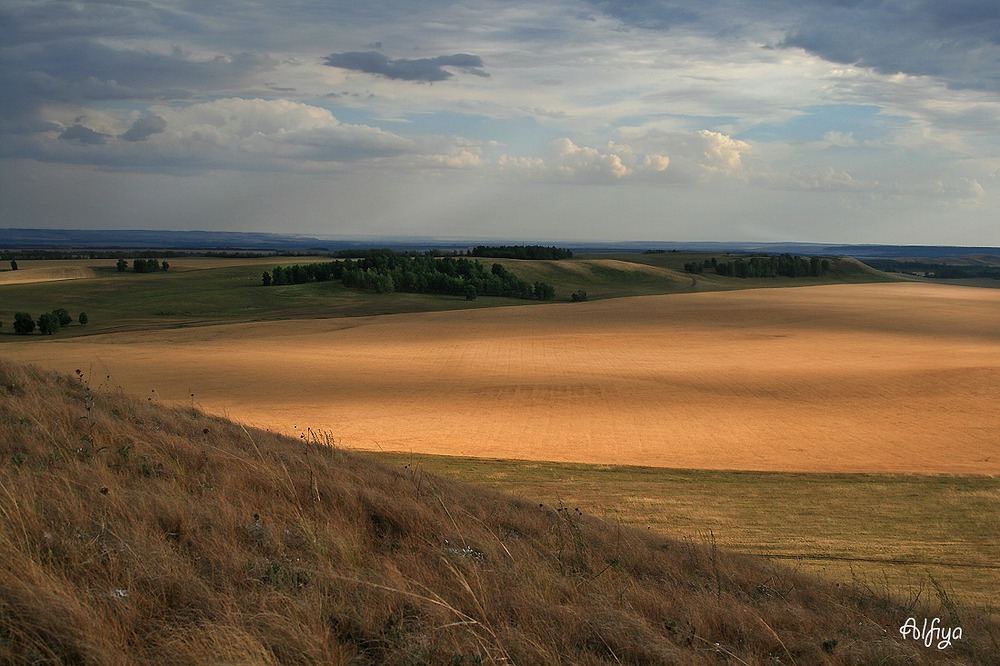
148 239
133 533
259 241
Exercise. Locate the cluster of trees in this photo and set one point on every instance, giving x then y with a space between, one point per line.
700 266
47 324
150 265
764 266
385 271
520 252
936 270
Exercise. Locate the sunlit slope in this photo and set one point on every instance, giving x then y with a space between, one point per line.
600 278
616 275
891 377
134 534
46 274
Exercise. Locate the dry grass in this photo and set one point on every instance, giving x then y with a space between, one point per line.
891 531
46 274
839 378
133 532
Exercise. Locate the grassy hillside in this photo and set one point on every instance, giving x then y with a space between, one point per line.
136 533
905 531
209 291
222 294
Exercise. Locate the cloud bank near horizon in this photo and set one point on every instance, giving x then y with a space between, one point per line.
849 121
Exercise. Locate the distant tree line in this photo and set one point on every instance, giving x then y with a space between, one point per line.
385 271
764 266
520 252
240 255
151 265
92 254
936 270
368 252
47 324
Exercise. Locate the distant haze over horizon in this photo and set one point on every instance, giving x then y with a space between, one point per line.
569 120
193 240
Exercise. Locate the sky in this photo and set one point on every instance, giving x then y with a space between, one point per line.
849 121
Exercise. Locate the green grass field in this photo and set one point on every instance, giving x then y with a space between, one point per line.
128 301
200 292
890 532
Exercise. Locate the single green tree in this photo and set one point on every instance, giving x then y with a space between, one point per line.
23 323
266 279
122 265
13 265
164 265
470 292
64 317
83 319
48 324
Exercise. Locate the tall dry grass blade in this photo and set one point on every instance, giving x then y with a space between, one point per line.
776 636
12 502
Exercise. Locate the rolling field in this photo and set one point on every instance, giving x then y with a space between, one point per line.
894 533
195 291
198 291
48 273
842 378
799 385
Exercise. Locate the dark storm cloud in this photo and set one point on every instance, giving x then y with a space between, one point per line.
49 56
79 60
144 128
958 41
48 21
657 15
84 135
420 69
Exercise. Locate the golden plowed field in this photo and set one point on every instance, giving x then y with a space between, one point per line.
47 274
875 378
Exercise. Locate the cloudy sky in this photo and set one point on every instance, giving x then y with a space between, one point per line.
828 121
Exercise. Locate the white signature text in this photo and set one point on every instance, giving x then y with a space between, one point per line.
931 632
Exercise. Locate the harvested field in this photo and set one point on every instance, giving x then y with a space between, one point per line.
46 274
838 378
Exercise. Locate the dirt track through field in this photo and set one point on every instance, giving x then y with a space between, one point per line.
876 378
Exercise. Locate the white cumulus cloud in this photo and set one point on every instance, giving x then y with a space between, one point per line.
567 161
